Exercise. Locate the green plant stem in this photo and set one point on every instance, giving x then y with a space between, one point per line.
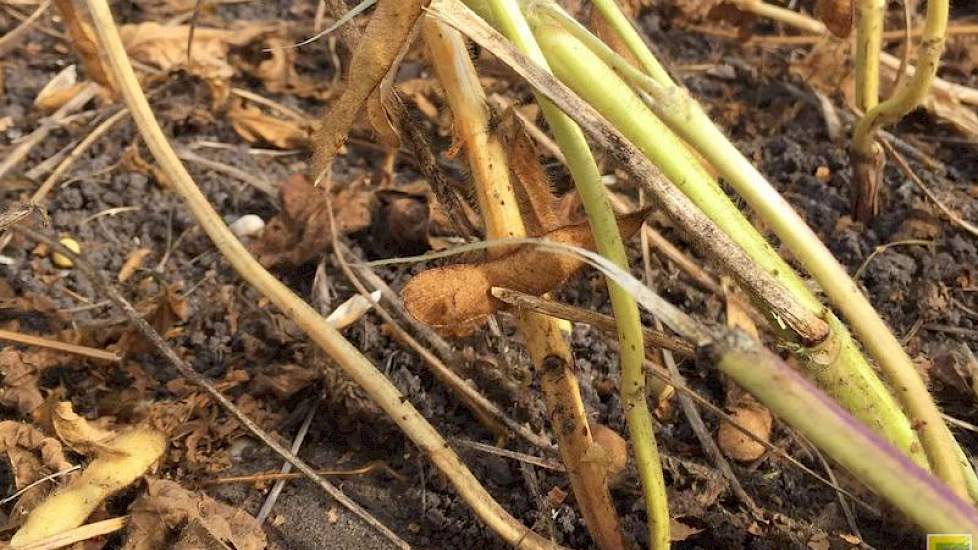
869 41
618 21
909 96
916 493
837 363
550 352
905 485
687 118
508 18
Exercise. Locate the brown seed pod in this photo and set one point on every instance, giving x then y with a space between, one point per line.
614 446
455 300
738 445
838 15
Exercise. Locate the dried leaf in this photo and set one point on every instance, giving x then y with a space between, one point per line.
255 126
16 435
301 232
838 15
162 312
284 381
679 531
696 10
78 433
948 108
456 299
165 47
278 73
168 512
828 68
32 455
376 55
19 389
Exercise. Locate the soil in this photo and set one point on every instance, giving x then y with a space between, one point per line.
925 292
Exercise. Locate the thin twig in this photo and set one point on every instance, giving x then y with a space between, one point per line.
654 338
548 463
37 482
843 503
41 342
49 123
10 40
346 18
693 414
258 182
909 173
79 534
266 507
487 413
883 248
368 468
682 388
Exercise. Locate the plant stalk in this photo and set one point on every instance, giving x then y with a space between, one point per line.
616 144
869 41
549 351
916 89
584 171
836 362
687 118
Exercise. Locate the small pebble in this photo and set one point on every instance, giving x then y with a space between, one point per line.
247 226
61 261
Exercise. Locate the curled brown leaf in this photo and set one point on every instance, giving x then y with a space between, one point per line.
168 513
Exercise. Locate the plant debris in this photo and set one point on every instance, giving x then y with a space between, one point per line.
301 232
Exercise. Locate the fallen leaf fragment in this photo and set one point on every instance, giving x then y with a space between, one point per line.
255 126
162 312
59 89
168 512
679 531
78 433
19 389
456 299
132 454
32 455
165 47
278 72
301 232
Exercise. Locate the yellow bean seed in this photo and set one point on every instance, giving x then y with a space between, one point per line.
60 260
